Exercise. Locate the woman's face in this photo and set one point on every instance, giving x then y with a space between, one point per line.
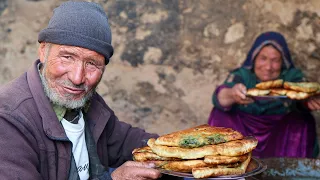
268 64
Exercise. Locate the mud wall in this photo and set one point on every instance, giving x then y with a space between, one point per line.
169 54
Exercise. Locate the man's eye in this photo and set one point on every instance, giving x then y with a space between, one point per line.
66 57
91 63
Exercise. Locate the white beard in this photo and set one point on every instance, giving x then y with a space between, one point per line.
66 100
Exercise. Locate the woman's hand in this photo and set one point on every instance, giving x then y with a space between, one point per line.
238 94
313 103
131 170
235 95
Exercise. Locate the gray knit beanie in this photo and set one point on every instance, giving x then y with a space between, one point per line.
82 24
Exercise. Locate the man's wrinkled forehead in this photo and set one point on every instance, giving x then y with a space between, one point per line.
78 52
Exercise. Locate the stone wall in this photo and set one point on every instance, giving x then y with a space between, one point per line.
169 54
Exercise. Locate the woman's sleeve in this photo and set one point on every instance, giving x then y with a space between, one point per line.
232 79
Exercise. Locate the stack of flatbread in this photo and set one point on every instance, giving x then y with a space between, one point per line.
204 151
293 90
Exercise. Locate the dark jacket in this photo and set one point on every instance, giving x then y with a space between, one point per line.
33 143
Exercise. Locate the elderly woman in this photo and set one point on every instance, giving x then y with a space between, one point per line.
284 128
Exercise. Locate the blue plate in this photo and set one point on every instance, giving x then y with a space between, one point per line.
259 98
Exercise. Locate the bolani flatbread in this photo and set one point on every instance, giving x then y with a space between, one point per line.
181 166
215 160
142 149
232 148
279 91
199 136
270 84
205 172
298 95
307 87
150 156
257 92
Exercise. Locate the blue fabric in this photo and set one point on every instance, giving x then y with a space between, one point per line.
266 38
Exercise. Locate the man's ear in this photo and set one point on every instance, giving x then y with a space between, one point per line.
42 52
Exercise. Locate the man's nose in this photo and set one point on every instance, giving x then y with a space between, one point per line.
77 74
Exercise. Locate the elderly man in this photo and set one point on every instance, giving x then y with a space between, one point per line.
53 124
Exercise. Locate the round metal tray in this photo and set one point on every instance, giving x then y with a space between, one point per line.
269 98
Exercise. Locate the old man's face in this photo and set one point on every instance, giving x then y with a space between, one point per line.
70 74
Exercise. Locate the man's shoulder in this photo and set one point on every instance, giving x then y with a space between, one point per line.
97 98
14 93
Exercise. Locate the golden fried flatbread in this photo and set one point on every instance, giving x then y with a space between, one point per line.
270 84
206 172
149 156
214 160
142 149
181 166
188 165
274 94
146 154
232 165
237 147
257 92
308 87
199 136
232 148
298 95
279 91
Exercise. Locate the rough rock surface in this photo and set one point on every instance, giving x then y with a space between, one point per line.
169 55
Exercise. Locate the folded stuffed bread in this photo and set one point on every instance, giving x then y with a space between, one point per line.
146 154
215 160
199 136
298 95
257 92
270 84
232 148
230 156
205 172
307 87
150 156
181 166
279 91
188 165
